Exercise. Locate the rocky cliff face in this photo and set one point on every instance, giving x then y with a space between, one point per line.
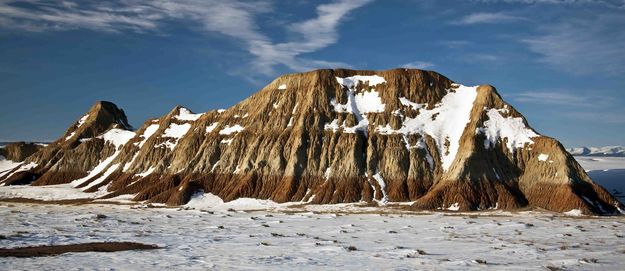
328 136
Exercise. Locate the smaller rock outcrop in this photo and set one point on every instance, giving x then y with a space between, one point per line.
18 151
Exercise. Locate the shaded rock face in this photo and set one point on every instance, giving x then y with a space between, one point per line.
329 136
77 152
18 151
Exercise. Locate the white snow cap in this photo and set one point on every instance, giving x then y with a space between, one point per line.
185 114
353 81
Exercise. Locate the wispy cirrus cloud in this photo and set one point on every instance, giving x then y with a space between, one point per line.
488 18
39 16
609 117
584 45
314 34
575 105
576 99
607 3
236 19
454 44
418 65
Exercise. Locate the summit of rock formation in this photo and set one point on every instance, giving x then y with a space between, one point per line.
328 136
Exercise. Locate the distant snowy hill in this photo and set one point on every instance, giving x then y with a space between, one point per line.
614 151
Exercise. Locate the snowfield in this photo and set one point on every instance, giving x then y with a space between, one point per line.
607 171
300 239
250 234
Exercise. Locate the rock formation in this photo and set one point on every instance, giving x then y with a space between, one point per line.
328 136
18 151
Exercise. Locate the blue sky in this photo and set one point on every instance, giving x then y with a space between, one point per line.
561 63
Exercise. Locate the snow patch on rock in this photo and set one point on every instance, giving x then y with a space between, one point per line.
146 173
81 121
186 115
382 185
358 104
147 133
211 127
454 207
498 127
117 137
409 103
103 177
175 131
96 170
231 129
445 122
354 81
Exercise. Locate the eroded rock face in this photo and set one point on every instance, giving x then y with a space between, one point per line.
18 151
329 136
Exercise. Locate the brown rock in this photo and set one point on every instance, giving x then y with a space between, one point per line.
316 140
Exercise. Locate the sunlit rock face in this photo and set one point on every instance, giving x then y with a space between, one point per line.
328 136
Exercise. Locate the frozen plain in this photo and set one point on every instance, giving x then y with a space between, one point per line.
260 235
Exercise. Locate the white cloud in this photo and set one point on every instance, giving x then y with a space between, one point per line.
609 117
454 44
577 105
575 99
607 3
236 19
418 65
62 15
314 34
482 58
584 45
488 18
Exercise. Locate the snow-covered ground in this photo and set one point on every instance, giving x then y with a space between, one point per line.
6 165
256 234
591 163
304 240
607 171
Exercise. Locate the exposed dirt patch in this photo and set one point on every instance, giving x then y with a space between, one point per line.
27 200
43 251
67 201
